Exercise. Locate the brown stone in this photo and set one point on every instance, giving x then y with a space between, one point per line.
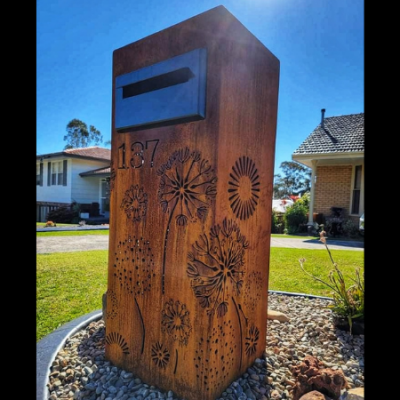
355 394
311 375
275 395
277 315
314 395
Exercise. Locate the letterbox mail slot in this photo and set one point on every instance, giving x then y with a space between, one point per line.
171 91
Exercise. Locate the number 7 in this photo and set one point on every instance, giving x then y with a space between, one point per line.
154 150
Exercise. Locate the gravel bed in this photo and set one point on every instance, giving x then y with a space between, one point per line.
80 371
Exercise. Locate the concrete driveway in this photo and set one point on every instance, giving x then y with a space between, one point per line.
56 244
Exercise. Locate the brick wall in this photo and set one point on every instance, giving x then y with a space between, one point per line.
332 189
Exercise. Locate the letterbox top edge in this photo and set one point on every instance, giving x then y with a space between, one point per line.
218 11
219 8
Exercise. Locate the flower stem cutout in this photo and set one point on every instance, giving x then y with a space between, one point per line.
187 186
134 271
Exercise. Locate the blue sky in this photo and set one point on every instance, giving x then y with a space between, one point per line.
320 45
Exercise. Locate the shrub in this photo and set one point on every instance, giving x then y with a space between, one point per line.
295 217
305 200
63 214
348 302
350 229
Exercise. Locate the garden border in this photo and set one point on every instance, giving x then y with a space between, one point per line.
48 347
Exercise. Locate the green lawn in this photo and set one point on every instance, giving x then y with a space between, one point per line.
68 285
71 284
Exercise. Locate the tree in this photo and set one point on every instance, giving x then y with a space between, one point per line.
296 179
80 136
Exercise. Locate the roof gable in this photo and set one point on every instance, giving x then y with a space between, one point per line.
93 152
340 134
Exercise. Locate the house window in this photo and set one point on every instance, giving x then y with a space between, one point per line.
105 195
37 174
356 195
57 173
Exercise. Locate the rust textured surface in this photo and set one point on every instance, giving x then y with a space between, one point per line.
190 217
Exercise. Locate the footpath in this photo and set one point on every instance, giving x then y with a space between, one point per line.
55 244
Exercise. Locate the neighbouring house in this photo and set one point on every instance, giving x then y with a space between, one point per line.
280 205
74 175
335 153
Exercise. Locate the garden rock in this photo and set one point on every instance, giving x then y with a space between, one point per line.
277 315
311 375
355 394
314 395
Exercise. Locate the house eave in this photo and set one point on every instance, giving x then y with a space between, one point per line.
308 159
100 174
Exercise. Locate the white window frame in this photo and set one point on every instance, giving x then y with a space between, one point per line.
38 174
57 170
353 177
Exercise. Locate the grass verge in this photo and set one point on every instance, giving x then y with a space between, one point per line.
286 275
68 285
71 284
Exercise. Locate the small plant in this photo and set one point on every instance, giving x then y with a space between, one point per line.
63 214
348 302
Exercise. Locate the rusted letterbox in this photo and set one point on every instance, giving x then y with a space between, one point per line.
194 111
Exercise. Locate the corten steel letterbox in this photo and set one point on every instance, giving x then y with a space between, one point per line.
194 110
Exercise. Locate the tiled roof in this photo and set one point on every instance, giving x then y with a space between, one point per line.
98 171
90 152
340 134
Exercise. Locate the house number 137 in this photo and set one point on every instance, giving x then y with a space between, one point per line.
137 149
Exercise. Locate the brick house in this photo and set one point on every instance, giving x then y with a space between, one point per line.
335 153
73 175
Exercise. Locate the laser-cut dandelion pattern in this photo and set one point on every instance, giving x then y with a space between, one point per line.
176 322
244 188
160 355
215 264
112 305
252 340
187 186
116 338
135 203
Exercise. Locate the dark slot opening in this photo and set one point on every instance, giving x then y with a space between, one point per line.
181 75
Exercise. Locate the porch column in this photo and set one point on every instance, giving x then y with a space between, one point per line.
313 182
